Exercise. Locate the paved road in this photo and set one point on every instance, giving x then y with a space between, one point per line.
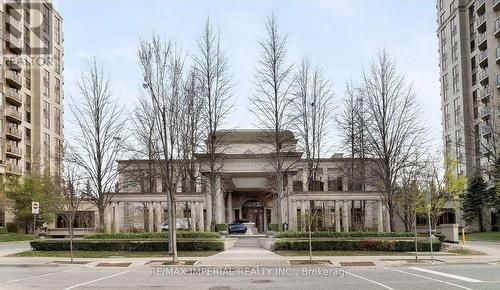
420 277
10 248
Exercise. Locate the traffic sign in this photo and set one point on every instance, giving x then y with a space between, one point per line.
35 207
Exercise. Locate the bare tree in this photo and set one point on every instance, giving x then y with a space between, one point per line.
212 72
272 101
396 133
162 66
101 132
313 105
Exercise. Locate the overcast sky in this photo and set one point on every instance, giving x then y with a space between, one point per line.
343 36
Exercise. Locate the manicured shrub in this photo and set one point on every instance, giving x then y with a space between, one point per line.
358 245
341 235
274 227
126 245
147 235
220 227
3 231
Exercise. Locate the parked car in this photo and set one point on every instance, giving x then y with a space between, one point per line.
181 224
237 226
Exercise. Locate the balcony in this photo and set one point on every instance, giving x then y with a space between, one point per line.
485 112
480 6
14 25
14 8
13 168
481 41
483 58
481 23
485 130
13 78
14 115
14 151
485 94
496 4
483 76
14 133
13 96
497 27
13 43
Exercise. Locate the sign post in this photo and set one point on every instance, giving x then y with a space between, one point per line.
428 199
35 210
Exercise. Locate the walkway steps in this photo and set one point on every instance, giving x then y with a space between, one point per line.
248 242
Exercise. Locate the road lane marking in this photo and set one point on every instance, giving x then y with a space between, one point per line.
371 281
447 275
97 280
429 278
36 276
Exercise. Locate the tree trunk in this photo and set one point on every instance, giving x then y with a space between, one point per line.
102 224
213 193
71 239
173 230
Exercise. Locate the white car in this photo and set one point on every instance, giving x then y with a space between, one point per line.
182 224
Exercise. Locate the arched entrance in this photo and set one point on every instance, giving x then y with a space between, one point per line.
253 210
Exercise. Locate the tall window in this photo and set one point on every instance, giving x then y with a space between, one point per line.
455 75
46 83
445 86
456 104
57 121
446 117
46 114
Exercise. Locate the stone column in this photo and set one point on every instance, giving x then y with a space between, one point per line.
387 220
208 206
292 215
159 220
230 211
337 216
327 217
368 214
325 178
304 211
201 224
109 218
121 216
194 211
345 215
380 223
115 216
219 199
151 217
304 179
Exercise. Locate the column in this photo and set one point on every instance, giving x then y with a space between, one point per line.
345 215
159 220
325 178
337 216
327 216
115 216
292 216
208 206
305 211
151 217
304 179
387 220
380 222
230 211
121 216
201 224
368 214
194 212
219 199
109 218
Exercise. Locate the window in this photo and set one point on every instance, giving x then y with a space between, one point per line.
456 104
57 121
445 86
46 147
455 79
446 117
46 114
57 30
57 91
46 83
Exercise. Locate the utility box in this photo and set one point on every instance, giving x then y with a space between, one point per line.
450 232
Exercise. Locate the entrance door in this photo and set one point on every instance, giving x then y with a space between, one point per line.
253 210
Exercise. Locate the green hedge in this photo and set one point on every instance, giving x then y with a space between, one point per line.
341 235
273 227
163 235
3 231
369 245
220 227
129 246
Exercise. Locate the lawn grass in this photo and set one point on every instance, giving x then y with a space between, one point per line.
107 254
180 263
464 251
13 237
484 236
341 253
